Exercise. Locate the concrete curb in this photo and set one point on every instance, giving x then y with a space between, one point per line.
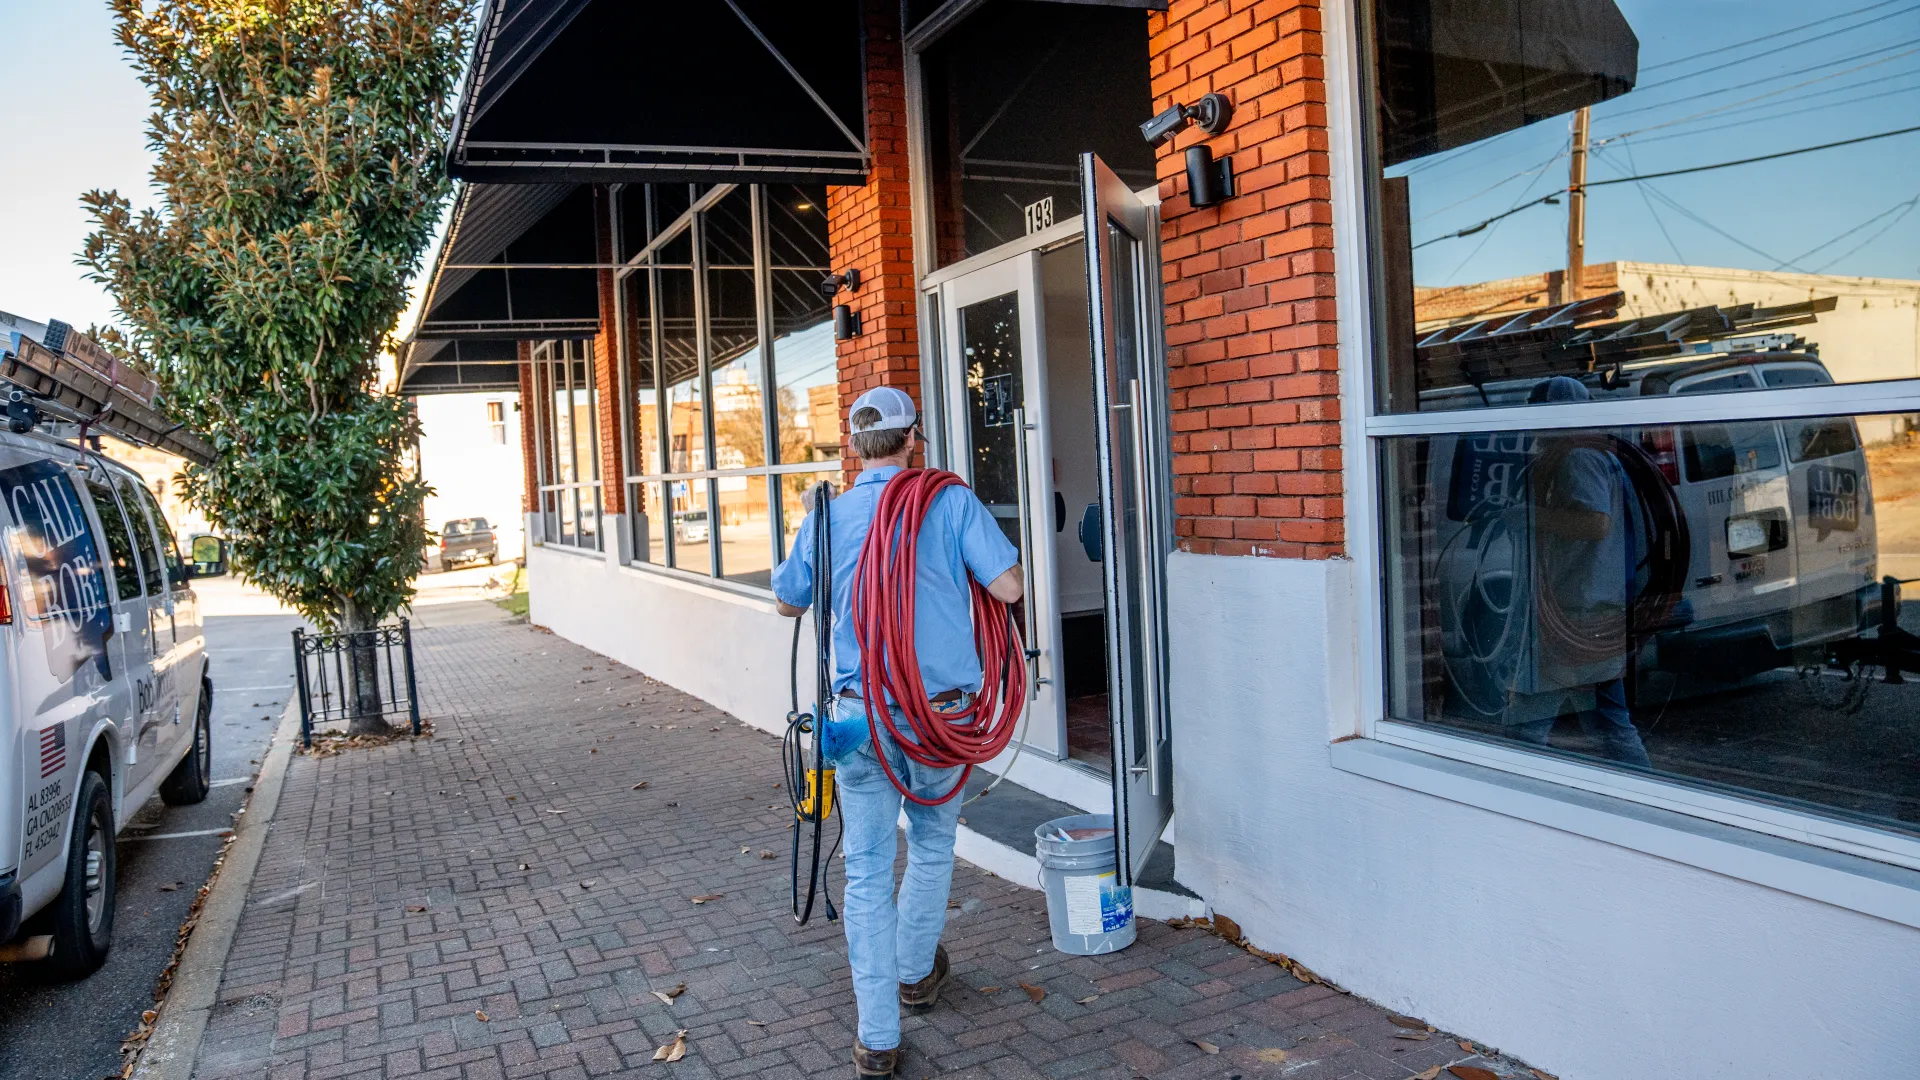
171 1050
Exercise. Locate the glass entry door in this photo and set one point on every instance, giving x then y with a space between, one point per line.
1130 440
996 395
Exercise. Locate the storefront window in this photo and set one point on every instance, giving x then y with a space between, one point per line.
748 313
1671 234
1608 188
1014 95
567 443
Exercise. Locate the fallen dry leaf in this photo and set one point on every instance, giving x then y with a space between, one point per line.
768 855
1407 1022
744 849
1272 1055
1472 1072
586 884
1467 1046
708 897
416 908
1034 992
666 996
480 1016
756 1023
148 1016
1412 1036
556 811
989 989
1088 1000
175 887
1205 1046
1430 1074
524 866
674 1050
641 784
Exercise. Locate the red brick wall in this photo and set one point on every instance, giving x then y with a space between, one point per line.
606 355
870 228
1253 373
530 478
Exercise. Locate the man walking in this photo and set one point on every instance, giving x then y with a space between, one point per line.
894 946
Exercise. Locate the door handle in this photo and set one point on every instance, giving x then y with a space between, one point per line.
1026 549
1148 635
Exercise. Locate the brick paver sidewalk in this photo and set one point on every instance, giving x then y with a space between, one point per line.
556 897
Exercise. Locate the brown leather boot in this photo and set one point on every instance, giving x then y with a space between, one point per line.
921 996
874 1062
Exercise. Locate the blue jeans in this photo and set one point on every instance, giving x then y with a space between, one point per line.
1609 721
891 941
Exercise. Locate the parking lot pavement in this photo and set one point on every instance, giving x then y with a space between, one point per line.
73 1031
505 899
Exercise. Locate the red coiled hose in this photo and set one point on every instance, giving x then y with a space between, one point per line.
883 606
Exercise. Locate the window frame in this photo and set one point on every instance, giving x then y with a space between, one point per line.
566 495
645 259
1359 279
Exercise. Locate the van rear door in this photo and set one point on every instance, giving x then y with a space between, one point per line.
1833 526
176 630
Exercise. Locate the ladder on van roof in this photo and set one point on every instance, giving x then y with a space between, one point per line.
69 376
1564 339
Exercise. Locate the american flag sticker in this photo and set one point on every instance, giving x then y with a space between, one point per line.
53 750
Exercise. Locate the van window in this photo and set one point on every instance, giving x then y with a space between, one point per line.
120 548
1795 375
1717 451
1739 380
169 550
149 553
1810 439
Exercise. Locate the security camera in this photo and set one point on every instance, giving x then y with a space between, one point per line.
1213 112
832 283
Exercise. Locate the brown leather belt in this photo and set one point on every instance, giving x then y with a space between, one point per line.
941 698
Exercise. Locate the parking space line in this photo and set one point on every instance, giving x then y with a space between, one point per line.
174 835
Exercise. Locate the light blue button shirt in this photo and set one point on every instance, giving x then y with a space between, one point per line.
959 538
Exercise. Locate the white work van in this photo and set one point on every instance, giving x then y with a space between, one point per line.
104 694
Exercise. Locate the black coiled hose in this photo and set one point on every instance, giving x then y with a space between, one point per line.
793 752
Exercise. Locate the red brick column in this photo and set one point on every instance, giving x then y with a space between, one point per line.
606 361
530 477
870 229
1254 372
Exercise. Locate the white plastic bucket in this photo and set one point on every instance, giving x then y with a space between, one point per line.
1088 909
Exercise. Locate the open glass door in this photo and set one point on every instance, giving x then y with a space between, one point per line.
1123 297
997 397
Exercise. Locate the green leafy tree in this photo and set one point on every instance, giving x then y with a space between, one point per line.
300 168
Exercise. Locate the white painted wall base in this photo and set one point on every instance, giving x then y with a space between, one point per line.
1593 961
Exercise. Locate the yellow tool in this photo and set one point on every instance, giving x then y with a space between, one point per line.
819 785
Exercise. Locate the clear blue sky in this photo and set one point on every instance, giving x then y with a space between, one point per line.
1855 71
71 118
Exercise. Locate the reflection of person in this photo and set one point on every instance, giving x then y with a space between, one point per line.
893 947
1586 569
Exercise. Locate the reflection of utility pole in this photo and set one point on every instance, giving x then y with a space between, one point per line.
1577 208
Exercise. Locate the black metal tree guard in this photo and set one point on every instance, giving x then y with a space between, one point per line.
327 670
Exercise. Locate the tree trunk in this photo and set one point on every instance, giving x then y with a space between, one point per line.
363 669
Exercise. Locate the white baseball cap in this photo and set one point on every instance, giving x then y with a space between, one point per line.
892 403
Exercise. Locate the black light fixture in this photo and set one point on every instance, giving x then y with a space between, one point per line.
1208 181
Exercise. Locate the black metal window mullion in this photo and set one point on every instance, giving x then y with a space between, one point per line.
623 363
704 351
769 392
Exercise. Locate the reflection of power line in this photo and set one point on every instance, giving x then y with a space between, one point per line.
1827 21
1651 212
1436 212
1624 141
1903 208
1736 105
1779 49
1675 205
1614 114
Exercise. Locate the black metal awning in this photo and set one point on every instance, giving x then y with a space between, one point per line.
1453 72
717 90
517 264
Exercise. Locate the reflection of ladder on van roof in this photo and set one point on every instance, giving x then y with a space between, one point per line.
68 376
1564 339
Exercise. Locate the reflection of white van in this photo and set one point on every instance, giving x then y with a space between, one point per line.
1783 552
104 697
690 526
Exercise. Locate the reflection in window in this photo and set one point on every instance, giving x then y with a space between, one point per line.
692 526
746 530
567 442
793 501
1571 592
1499 120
